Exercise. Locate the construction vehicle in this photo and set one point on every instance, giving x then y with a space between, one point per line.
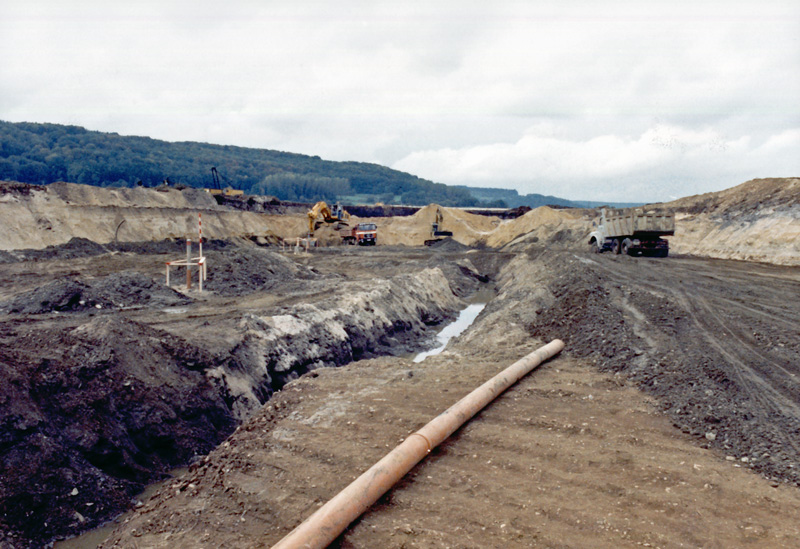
632 231
217 188
437 233
322 213
363 234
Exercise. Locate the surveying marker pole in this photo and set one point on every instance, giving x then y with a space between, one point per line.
188 263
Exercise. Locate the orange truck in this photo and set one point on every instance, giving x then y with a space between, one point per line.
363 234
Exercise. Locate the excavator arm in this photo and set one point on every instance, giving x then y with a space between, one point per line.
321 210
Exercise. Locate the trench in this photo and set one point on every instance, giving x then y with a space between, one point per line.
407 330
466 318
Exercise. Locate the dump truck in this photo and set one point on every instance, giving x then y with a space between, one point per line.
363 234
633 231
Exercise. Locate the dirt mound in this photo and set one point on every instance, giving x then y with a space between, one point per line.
118 290
61 296
543 226
756 221
414 230
449 245
133 289
246 270
73 248
92 416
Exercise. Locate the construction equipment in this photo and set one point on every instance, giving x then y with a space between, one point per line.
632 231
363 234
322 213
437 233
217 188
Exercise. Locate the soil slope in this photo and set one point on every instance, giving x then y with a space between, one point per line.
755 221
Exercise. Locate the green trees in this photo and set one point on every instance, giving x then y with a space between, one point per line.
46 153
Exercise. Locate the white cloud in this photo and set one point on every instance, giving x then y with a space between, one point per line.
646 167
695 95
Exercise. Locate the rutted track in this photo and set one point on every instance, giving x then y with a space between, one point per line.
716 341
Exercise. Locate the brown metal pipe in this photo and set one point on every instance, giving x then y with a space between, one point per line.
330 520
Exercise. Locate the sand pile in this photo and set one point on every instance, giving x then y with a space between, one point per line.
468 229
756 221
544 225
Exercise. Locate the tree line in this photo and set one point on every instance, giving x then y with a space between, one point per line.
45 153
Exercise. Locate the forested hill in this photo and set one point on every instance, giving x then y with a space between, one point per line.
46 153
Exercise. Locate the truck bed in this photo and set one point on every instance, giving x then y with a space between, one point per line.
636 222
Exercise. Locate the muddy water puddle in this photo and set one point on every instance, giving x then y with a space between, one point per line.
465 319
92 538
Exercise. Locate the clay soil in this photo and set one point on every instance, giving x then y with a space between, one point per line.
672 418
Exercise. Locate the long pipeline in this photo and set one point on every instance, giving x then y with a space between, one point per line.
330 520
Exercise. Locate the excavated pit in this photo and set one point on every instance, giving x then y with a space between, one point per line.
120 393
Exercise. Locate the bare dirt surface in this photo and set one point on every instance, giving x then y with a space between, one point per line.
111 379
672 419
570 457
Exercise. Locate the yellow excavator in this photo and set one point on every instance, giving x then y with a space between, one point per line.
322 213
437 233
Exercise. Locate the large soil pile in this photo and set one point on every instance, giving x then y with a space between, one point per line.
91 410
34 216
119 290
756 221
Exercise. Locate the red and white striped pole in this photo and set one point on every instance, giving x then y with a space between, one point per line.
188 263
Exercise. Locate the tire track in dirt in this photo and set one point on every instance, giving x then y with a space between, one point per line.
695 333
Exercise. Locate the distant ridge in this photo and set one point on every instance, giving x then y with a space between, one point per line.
513 199
40 153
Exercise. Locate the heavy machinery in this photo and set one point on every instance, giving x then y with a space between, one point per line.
363 234
437 233
217 188
633 231
322 213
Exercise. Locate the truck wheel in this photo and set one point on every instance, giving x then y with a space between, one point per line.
615 246
626 246
594 247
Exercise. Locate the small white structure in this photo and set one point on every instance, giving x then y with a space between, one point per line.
189 262
306 243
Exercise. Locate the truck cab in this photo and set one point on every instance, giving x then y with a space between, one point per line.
363 234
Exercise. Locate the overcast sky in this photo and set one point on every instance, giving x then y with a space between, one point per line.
627 100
